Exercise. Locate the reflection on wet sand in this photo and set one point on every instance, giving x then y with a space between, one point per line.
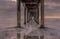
18 35
42 37
31 37
34 37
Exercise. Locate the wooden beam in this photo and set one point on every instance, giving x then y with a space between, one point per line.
24 15
18 14
42 14
37 15
18 18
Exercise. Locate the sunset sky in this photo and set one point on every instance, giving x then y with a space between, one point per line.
8 11
52 7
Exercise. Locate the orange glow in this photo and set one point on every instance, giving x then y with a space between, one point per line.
52 16
13 0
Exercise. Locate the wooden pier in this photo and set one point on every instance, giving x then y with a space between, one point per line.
31 9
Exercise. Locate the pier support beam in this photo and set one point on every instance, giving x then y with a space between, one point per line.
18 17
25 15
37 15
28 16
42 14
18 14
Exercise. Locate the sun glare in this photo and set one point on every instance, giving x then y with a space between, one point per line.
13 0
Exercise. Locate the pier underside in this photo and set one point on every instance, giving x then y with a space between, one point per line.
32 12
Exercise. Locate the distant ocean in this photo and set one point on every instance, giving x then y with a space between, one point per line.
49 22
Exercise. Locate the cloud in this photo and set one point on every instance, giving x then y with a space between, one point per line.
52 7
51 4
7 13
57 1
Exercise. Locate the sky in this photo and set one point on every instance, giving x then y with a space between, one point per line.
52 7
8 11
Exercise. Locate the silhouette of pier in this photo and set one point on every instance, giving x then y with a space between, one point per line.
31 10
